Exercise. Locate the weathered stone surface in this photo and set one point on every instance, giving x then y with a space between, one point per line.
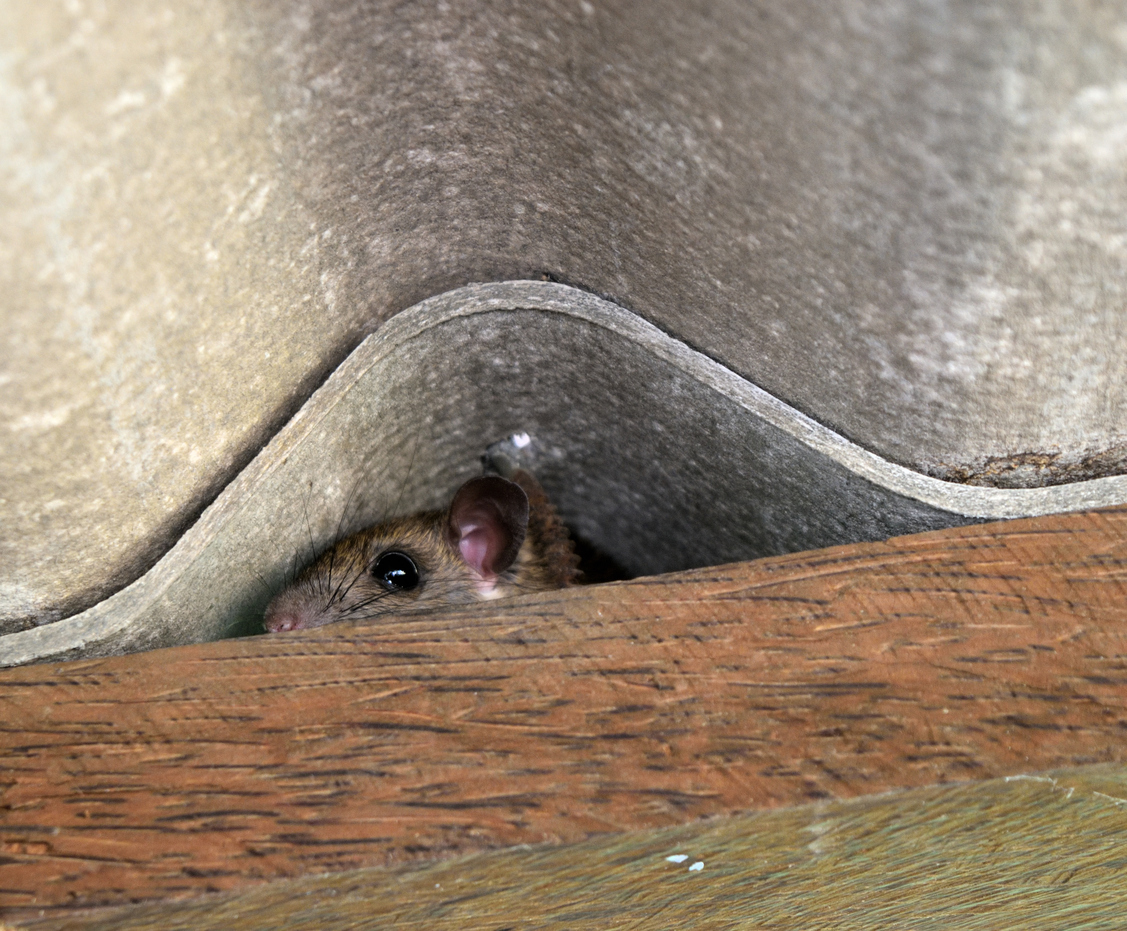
905 220
162 295
653 452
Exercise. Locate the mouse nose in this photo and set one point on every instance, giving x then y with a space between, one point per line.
293 609
279 621
290 610
288 613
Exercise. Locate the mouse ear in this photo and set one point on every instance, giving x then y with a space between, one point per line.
487 522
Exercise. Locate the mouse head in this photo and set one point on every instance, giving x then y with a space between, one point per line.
458 556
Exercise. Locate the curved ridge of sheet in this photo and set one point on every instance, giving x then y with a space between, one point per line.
220 571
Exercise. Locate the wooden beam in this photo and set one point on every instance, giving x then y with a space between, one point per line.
968 653
1039 853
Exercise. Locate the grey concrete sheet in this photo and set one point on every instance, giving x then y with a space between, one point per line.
906 221
653 452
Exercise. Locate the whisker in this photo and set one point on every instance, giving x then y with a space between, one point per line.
264 587
346 521
329 575
309 528
406 477
356 578
360 605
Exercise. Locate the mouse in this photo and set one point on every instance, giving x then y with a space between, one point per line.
500 536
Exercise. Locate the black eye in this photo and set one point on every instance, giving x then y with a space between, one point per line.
396 572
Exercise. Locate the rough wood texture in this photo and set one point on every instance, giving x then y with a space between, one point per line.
1032 853
970 653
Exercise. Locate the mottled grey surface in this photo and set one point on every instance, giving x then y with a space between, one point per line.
906 219
658 455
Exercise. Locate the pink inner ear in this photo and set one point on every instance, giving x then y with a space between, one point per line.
486 524
475 549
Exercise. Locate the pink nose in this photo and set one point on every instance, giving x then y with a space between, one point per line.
278 621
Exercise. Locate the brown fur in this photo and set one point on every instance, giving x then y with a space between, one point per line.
551 557
338 585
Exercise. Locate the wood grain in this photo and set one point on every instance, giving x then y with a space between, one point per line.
968 653
1039 853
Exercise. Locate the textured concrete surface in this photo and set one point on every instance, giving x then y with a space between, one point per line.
653 452
905 219
156 286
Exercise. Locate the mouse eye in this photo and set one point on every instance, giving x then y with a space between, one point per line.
396 572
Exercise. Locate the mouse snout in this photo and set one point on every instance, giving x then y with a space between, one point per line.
290 612
282 620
